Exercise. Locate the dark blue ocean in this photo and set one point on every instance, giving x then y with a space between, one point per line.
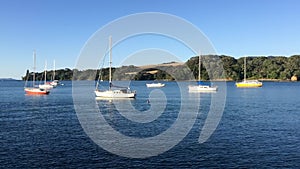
259 128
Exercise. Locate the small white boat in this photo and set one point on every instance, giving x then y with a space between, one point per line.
49 85
122 93
54 83
201 87
45 86
155 84
119 92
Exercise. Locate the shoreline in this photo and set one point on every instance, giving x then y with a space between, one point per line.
165 80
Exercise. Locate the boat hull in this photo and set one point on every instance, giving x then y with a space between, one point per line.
115 94
46 86
36 91
155 85
202 88
54 83
249 84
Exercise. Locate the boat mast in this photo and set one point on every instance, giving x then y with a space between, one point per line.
244 68
110 62
34 62
199 68
45 72
53 70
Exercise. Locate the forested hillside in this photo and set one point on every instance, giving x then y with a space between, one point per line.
264 68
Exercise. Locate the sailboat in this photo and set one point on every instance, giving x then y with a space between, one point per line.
113 91
248 83
200 87
34 90
54 82
46 85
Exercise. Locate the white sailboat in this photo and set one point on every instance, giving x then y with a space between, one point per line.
54 82
113 91
248 83
46 85
200 87
34 90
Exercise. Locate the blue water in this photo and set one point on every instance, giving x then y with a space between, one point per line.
259 129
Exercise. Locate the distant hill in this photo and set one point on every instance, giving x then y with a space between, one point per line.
260 67
8 79
162 64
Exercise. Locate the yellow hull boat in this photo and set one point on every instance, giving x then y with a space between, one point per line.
249 83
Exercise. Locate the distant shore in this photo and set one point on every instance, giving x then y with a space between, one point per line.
8 79
269 68
167 80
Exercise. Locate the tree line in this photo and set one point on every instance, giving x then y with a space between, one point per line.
213 67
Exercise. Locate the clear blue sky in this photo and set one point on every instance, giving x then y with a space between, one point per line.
58 29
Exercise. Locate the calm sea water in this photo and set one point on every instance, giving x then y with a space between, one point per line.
260 128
